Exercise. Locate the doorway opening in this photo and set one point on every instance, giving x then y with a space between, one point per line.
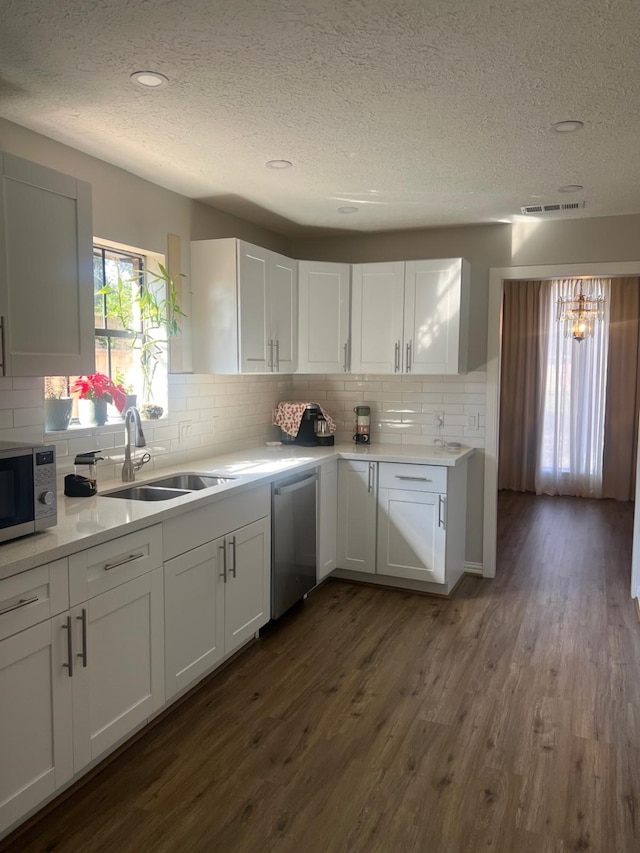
494 352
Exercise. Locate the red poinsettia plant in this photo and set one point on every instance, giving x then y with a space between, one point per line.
99 386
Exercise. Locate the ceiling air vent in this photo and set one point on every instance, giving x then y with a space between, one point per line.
552 208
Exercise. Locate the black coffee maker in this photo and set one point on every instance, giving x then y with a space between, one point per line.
306 436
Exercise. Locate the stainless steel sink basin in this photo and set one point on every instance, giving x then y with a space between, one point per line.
145 492
165 488
189 481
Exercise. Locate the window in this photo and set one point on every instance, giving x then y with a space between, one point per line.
118 325
130 309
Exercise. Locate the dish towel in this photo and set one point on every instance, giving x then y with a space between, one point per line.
288 415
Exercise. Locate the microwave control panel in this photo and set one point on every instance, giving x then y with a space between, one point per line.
44 482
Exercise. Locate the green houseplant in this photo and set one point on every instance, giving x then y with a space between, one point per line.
57 404
154 304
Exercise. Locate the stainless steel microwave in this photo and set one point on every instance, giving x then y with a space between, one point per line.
28 499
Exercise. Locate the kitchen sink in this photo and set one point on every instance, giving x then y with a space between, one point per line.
144 492
165 488
190 482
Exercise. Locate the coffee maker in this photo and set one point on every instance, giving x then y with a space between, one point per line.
306 436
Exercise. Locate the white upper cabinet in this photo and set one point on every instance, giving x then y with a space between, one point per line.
411 317
323 327
376 320
244 308
46 271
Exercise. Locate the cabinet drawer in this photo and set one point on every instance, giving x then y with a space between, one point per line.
33 596
413 478
108 565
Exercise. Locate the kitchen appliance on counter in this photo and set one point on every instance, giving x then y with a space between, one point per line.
28 500
293 540
298 422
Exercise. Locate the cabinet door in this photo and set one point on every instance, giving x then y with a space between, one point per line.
36 715
256 355
357 516
411 534
327 534
247 582
323 331
283 299
432 318
376 318
46 271
194 615
121 682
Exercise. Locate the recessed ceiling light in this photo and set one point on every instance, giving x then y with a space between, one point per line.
348 210
149 79
567 126
570 188
279 164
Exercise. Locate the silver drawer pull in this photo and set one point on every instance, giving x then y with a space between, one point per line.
417 479
223 573
129 559
83 653
22 603
293 487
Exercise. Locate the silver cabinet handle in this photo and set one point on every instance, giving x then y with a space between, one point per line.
108 566
223 573
346 350
22 603
409 357
83 653
441 505
270 358
2 345
67 627
293 487
277 367
371 476
417 479
396 360
233 553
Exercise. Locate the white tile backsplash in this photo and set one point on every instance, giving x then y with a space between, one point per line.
226 413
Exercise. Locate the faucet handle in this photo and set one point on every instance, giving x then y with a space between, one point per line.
137 465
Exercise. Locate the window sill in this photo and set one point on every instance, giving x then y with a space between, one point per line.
116 425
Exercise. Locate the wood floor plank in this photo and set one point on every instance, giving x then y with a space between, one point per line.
370 720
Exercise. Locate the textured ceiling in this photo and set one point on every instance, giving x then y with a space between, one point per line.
419 112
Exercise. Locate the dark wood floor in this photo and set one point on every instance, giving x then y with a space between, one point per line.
506 719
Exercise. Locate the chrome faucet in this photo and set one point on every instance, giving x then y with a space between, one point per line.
129 468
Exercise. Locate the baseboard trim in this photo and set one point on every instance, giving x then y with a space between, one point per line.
474 569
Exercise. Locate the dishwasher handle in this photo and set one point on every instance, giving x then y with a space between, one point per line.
293 487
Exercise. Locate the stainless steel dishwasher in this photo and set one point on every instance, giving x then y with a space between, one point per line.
293 540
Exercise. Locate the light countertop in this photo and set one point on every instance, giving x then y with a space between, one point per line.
83 522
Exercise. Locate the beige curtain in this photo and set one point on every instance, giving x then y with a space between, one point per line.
521 383
623 391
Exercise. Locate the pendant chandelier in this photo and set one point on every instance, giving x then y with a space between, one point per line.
579 314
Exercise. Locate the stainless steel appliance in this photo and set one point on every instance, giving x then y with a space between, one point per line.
27 489
293 540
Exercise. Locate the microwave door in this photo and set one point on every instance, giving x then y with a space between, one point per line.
16 494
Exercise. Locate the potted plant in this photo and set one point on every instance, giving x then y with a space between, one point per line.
94 392
156 305
57 404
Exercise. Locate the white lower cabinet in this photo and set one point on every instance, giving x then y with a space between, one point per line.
217 597
35 718
218 593
398 520
357 515
327 530
118 676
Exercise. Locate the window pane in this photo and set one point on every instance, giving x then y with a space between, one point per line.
123 276
98 284
102 355
125 365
